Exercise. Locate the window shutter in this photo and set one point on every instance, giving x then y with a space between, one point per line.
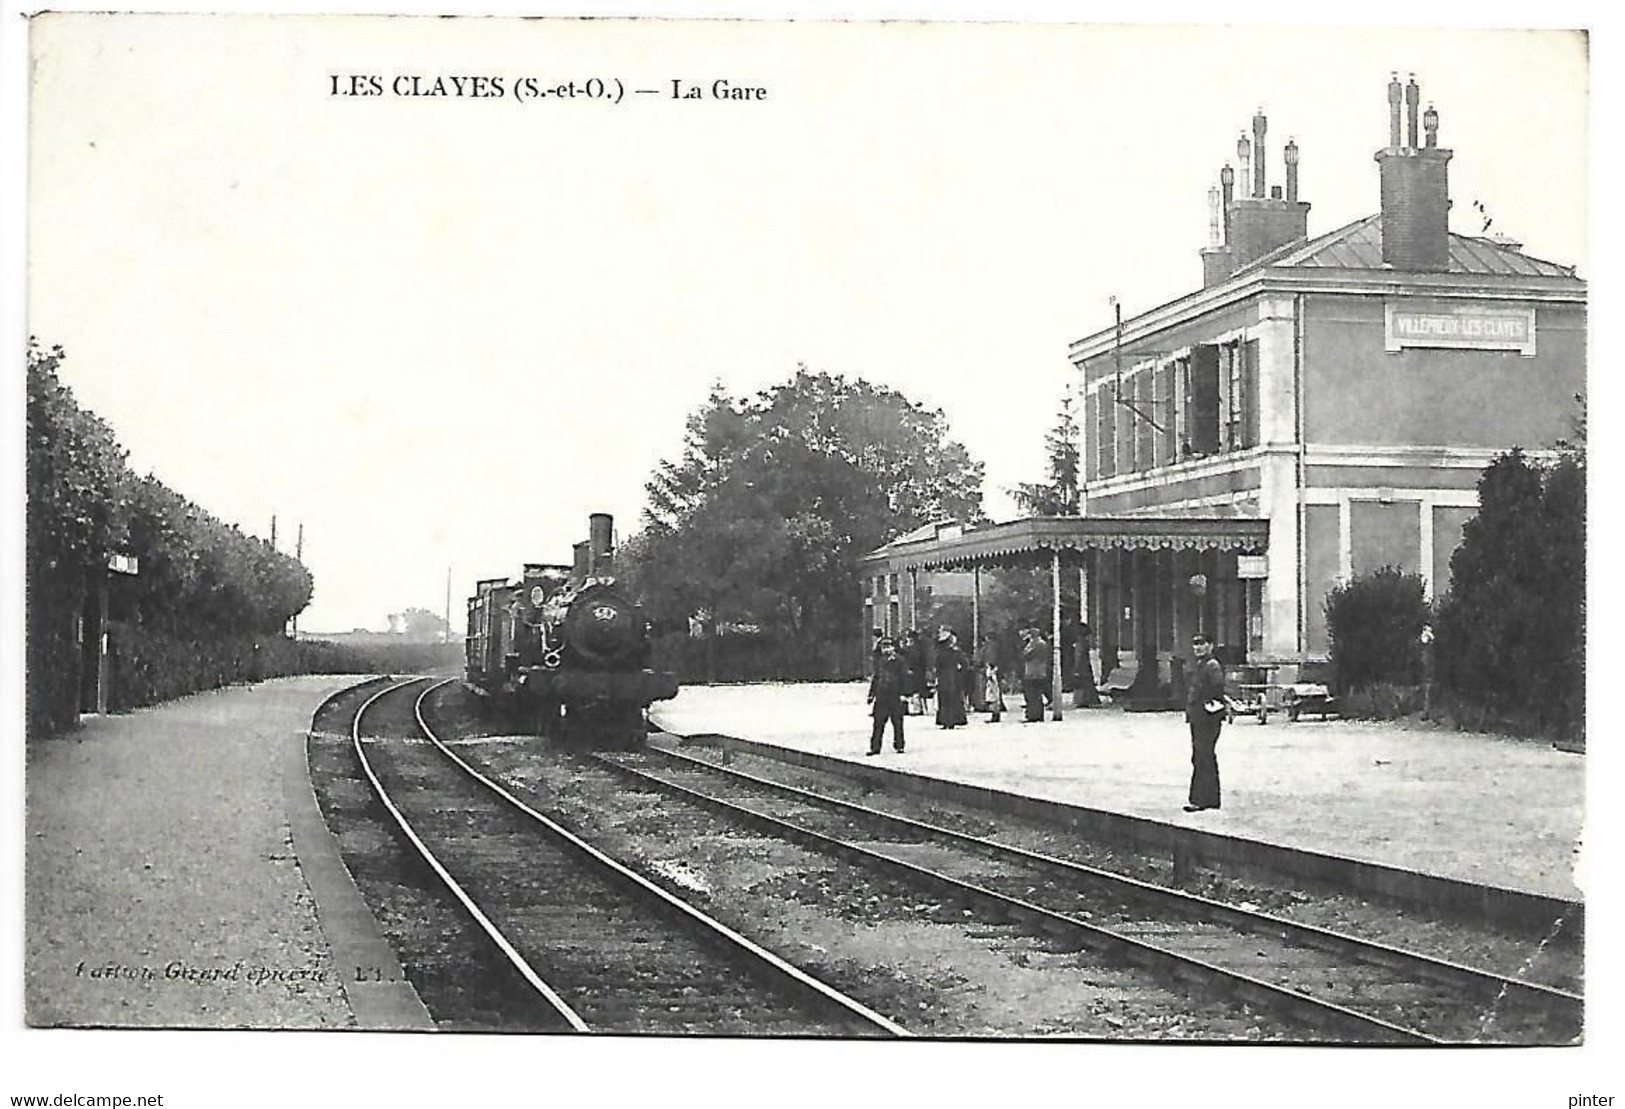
1204 420
1249 390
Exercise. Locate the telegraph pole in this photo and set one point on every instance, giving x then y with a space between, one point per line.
299 556
445 633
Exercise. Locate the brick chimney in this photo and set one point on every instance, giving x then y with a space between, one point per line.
1255 224
1415 186
1218 262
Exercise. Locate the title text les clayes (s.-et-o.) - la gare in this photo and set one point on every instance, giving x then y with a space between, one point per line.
529 88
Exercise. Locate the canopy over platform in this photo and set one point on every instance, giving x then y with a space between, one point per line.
1077 542
956 547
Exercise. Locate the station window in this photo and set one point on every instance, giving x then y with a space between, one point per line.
1127 462
1146 418
1168 441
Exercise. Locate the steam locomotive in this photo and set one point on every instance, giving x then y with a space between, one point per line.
564 650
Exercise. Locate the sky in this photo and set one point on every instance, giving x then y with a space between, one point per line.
436 333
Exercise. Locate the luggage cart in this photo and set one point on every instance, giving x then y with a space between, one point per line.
1251 692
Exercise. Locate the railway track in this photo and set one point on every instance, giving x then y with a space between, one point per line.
1346 987
602 948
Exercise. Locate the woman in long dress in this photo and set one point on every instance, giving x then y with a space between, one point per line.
950 681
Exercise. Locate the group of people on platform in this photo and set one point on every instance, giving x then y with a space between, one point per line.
899 683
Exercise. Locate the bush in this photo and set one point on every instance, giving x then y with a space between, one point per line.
1382 701
151 665
1375 623
374 655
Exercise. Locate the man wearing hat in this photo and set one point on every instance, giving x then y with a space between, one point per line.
1035 674
1204 711
886 696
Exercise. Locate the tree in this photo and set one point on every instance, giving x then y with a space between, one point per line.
1019 596
716 436
76 477
1511 631
1060 493
423 624
775 499
203 590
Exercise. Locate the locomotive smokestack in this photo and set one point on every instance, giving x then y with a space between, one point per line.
583 562
601 540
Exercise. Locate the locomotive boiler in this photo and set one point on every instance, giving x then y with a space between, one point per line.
565 650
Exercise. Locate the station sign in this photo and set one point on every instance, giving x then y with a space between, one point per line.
1252 566
1459 327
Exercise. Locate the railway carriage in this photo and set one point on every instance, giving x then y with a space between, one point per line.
565 649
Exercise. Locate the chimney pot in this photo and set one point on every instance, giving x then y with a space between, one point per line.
1430 125
1244 159
1396 95
1260 126
1413 99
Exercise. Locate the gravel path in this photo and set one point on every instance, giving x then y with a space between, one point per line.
161 886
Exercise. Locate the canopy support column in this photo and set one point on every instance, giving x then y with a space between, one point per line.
1055 637
976 610
1081 658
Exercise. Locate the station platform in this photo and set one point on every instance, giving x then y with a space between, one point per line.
178 874
1480 809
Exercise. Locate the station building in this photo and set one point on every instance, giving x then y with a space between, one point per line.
1321 407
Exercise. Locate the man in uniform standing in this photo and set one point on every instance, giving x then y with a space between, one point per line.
886 695
1204 712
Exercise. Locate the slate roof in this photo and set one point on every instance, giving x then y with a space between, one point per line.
1358 246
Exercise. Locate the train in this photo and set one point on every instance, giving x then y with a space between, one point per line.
565 651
